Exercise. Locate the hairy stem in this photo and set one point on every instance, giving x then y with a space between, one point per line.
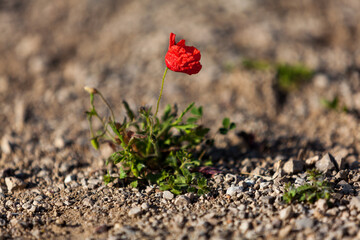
161 90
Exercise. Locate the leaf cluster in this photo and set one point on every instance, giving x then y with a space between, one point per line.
288 77
166 151
334 104
310 192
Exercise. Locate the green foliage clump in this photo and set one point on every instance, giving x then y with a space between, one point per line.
290 77
164 151
334 104
309 192
256 64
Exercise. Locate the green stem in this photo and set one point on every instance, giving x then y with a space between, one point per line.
161 90
108 105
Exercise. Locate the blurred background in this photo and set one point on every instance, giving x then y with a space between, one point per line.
277 68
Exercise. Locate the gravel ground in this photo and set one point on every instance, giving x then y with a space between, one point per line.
51 179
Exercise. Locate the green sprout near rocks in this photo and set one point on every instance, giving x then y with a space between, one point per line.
317 189
288 77
334 104
256 64
166 151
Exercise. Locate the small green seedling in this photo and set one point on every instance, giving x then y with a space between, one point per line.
334 104
290 77
166 151
309 192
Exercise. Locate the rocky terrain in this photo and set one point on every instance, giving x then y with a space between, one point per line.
51 179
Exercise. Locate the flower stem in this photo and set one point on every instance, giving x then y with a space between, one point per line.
161 90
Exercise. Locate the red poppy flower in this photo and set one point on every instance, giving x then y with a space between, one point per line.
181 58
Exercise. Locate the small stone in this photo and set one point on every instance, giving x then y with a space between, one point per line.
286 213
268 200
59 204
293 166
341 175
233 190
285 231
6 145
245 226
36 233
59 142
135 211
13 183
312 160
304 223
182 200
69 178
326 163
145 206
32 209
26 205
149 189
355 203
88 202
60 222
321 205
2 222
168 195
345 187
102 229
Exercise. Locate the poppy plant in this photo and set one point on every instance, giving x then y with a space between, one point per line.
180 58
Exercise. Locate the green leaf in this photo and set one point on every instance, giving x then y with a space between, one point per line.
183 113
185 126
122 173
167 112
232 126
108 179
226 122
129 112
202 182
140 166
192 120
134 184
223 131
197 111
95 143
175 191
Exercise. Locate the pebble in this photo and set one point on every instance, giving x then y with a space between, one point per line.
345 187
88 202
135 211
182 200
59 142
13 183
322 205
286 213
145 206
233 190
168 195
326 163
304 222
293 166
245 226
355 203
6 145
312 160
69 178
2 222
